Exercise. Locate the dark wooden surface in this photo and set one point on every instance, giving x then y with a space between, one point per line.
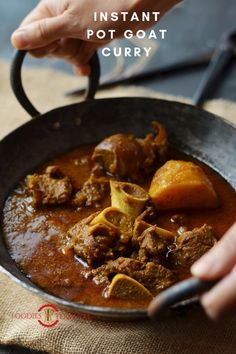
193 28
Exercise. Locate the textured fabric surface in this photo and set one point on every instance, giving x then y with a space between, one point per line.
193 333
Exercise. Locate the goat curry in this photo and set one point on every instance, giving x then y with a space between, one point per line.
115 224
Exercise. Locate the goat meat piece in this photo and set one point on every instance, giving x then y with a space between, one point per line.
151 275
154 147
120 155
50 188
152 245
127 157
191 245
92 193
97 243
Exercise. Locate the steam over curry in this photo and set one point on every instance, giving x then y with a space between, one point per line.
116 223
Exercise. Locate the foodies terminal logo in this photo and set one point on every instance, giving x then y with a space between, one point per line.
47 316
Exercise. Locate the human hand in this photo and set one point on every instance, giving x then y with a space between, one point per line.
58 27
219 262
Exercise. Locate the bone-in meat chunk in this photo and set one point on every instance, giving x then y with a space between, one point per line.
151 275
125 156
50 188
119 154
99 242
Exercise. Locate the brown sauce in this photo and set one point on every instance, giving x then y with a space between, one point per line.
35 238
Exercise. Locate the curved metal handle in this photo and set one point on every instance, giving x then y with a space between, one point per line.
176 294
17 87
222 56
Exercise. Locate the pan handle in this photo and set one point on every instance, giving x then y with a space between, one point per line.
177 294
17 87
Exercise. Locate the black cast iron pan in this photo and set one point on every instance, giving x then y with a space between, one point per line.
191 130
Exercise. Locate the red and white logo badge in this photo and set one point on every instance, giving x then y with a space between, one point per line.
49 315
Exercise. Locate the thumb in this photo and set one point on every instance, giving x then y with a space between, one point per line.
219 260
40 33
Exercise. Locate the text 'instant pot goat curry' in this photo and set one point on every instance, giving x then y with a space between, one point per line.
115 224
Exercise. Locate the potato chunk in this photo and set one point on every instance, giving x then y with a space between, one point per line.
182 185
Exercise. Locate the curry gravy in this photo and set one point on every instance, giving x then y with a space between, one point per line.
35 237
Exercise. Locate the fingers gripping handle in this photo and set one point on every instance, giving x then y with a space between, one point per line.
176 294
18 89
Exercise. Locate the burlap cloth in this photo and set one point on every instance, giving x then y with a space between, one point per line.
191 334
